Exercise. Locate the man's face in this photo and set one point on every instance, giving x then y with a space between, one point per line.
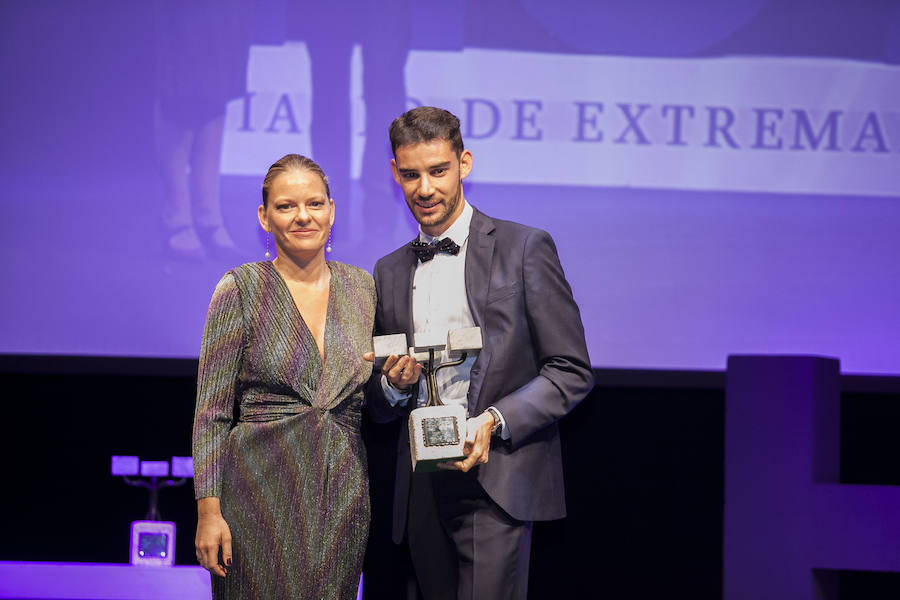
431 177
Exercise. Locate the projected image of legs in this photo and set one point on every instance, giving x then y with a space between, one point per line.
201 59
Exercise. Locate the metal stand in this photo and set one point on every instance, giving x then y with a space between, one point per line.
154 485
434 398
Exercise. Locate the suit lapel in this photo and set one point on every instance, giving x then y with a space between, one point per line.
402 291
479 257
479 254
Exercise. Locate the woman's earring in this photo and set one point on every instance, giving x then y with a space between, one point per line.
328 245
268 254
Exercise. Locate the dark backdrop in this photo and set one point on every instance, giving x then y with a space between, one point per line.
643 457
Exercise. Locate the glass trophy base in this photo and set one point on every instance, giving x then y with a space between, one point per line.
436 434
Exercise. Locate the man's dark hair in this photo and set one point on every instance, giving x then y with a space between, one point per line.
424 124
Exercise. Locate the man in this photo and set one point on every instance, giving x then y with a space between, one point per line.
469 525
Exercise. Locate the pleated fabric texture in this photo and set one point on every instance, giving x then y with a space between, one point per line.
277 434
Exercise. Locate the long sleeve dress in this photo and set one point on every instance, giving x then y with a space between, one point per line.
277 434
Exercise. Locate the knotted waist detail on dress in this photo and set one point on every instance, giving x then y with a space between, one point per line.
261 408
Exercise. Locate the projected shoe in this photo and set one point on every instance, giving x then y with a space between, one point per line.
219 243
184 244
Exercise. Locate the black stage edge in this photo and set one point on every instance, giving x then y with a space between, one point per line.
644 456
603 377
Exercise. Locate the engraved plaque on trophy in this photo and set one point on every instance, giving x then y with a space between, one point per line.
437 432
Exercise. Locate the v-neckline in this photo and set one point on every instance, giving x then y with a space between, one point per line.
322 353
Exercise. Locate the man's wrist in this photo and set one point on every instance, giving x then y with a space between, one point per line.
404 390
498 422
394 396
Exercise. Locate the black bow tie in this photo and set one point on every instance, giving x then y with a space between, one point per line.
425 252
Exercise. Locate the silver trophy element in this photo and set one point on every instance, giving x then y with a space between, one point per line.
437 432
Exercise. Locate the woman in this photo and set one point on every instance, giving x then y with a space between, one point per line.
279 465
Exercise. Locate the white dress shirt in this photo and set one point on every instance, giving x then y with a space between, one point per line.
440 304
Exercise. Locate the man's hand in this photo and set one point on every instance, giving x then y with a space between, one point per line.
401 371
477 445
212 533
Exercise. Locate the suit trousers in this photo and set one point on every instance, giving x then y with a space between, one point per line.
464 546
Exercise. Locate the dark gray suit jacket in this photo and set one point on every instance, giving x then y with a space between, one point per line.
533 368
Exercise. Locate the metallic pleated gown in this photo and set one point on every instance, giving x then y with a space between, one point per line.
277 434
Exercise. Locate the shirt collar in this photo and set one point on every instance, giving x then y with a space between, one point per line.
458 232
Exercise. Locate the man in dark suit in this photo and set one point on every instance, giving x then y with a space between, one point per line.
469 524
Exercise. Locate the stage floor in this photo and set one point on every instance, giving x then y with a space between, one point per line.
99 581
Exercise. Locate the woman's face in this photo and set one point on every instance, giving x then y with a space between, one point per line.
299 214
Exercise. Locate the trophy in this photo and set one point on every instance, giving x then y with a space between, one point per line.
153 540
437 432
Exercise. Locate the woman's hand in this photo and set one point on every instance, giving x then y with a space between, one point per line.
212 533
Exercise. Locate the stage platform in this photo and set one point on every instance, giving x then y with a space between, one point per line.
99 581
